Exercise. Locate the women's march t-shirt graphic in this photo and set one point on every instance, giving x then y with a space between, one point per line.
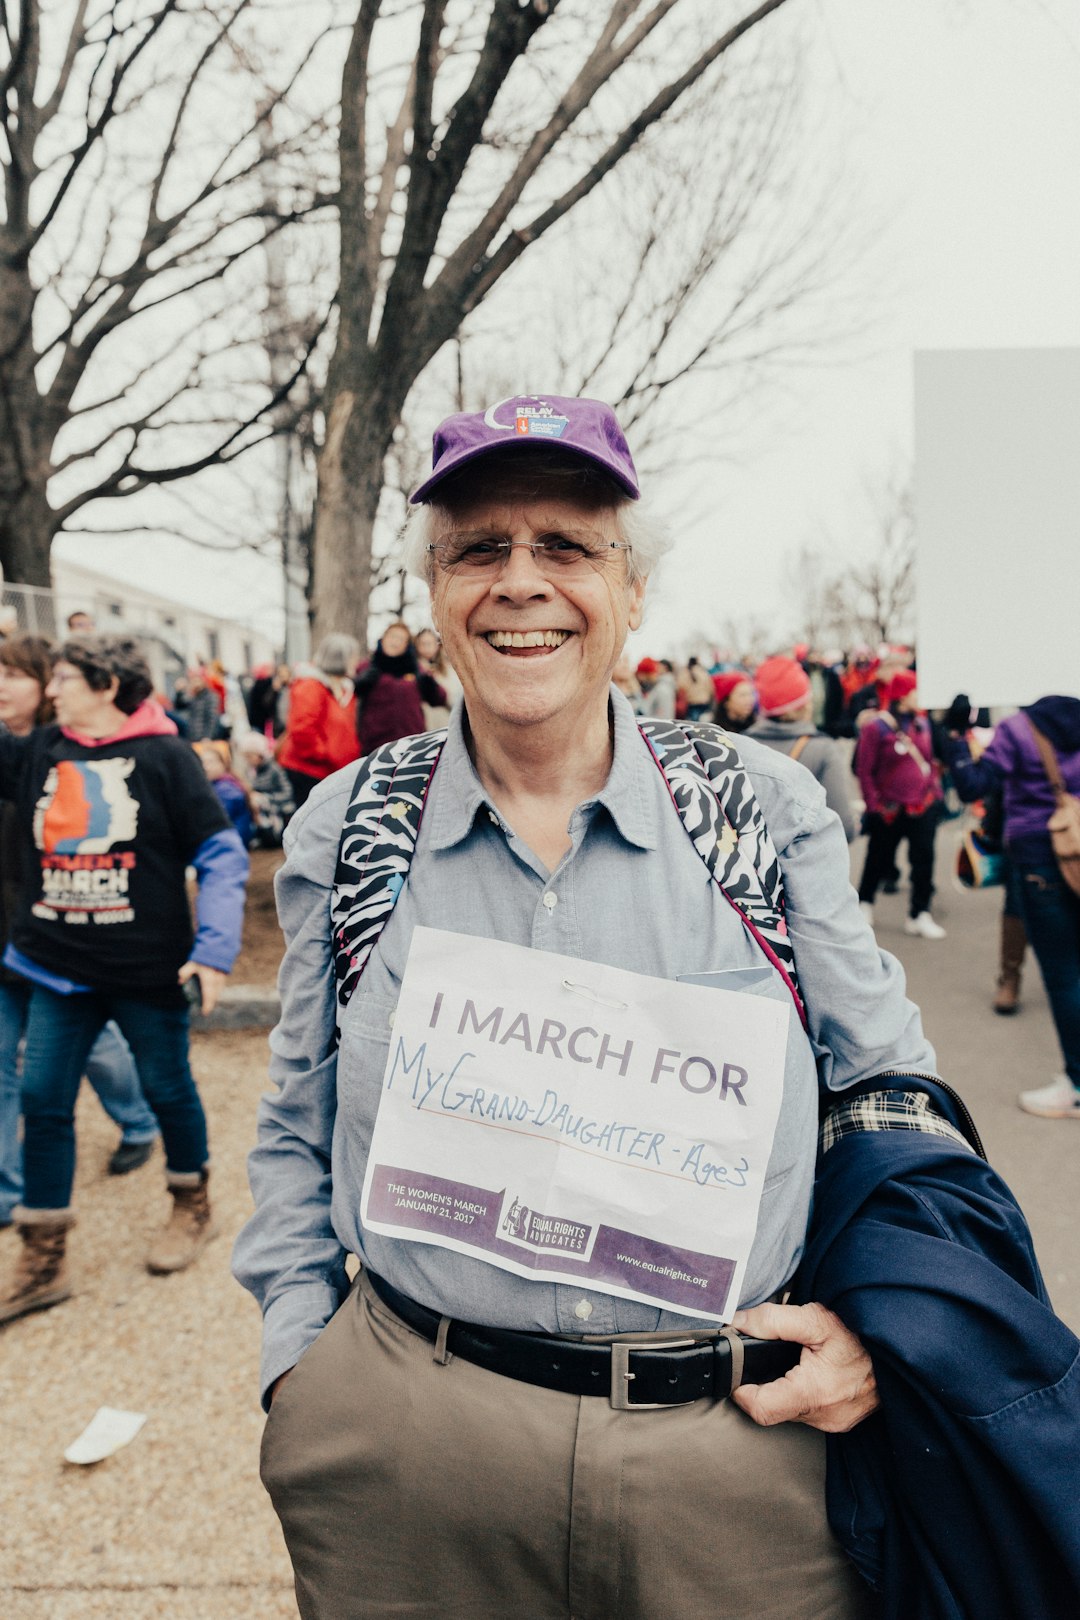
85 810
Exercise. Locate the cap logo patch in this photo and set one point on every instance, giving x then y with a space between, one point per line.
540 420
541 423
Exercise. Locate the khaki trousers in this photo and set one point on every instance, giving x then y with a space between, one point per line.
405 1487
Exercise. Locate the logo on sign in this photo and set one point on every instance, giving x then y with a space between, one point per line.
549 1234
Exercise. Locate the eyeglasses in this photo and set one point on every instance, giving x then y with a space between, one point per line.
557 556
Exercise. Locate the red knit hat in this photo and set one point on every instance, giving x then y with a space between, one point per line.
725 684
648 666
782 684
901 686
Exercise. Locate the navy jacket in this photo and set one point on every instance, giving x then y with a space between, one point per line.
960 1498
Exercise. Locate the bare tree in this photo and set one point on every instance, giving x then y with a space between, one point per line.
132 345
871 599
508 116
882 589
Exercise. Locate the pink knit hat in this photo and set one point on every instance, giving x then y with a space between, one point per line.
782 684
901 686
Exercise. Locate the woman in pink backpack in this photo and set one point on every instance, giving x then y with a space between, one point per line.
895 766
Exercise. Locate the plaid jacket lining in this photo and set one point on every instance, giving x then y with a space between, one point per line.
887 1111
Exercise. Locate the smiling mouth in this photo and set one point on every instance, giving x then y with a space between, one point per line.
533 642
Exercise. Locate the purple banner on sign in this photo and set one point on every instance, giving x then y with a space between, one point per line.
681 1278
433 1204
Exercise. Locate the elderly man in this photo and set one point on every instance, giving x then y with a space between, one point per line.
519 1406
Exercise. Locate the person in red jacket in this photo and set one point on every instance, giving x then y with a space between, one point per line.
320 736
895 766
392 689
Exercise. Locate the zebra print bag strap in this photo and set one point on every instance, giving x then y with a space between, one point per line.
378 839
708 785
719 809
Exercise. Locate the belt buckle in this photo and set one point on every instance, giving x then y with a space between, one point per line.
622 1377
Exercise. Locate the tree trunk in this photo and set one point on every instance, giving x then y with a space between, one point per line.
26 535
350 483
27 431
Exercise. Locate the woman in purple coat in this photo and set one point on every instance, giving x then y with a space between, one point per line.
1012 765
391 691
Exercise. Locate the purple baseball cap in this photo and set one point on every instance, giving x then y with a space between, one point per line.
580 427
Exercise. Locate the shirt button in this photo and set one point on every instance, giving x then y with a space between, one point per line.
583 1310
551 900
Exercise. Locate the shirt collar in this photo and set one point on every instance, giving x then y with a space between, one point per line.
458 795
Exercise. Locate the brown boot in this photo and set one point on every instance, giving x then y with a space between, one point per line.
189 1227
40 1278
1013 946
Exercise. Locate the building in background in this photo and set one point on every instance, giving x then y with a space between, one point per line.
174 635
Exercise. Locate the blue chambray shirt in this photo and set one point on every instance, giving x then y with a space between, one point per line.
632 891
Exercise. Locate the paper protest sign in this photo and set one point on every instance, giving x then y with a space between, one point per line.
576 1122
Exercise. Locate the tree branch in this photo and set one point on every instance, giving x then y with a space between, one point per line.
75 42
93 134
478 281
434 174
128 479
602 63
355 260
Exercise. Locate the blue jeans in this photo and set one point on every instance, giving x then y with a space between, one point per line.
60 1032
1052 919
110 1069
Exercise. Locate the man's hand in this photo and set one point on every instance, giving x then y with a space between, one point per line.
210 983
832 1388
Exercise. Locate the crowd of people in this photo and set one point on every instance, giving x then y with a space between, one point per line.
855 721
306 722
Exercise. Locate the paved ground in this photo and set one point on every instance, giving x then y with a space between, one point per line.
176 1524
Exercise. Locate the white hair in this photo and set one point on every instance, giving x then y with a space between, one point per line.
638 526
336 653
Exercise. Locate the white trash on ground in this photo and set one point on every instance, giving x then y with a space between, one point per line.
108 1430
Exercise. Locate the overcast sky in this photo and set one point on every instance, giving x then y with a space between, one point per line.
959 125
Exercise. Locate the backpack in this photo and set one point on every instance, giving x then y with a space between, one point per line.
709 788
1064 824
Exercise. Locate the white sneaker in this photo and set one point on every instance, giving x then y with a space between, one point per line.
1059 1100
867 910
924 926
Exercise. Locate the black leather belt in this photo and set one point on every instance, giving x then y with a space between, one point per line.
688 1367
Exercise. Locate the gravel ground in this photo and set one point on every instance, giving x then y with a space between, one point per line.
176 1524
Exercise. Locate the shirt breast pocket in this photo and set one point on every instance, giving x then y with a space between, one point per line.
366 1034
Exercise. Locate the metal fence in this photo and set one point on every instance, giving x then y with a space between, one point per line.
31 608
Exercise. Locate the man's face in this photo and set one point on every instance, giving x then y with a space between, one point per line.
573 623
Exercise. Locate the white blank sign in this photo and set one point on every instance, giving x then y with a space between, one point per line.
997 494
